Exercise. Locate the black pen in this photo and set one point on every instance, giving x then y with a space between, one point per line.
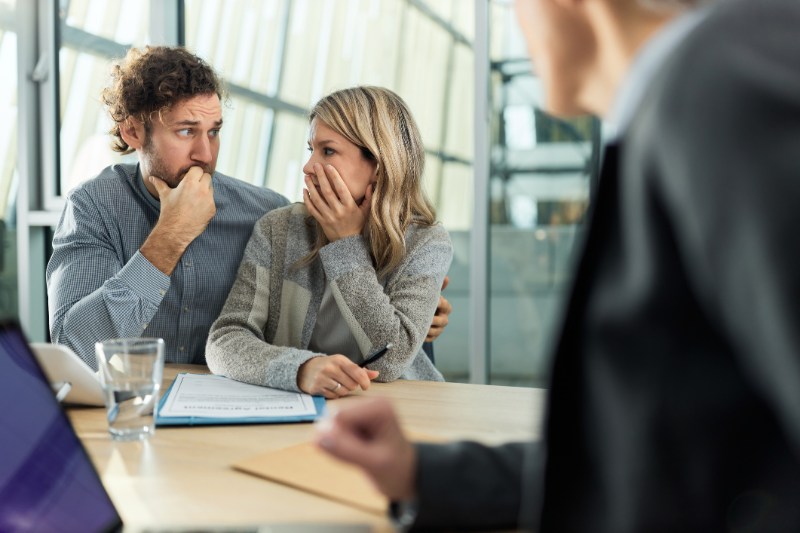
374 356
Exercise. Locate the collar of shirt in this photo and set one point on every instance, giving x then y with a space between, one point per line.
644 66
142 188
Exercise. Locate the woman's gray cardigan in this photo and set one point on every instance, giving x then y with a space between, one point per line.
263 332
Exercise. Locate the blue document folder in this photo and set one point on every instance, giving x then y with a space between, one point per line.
319 404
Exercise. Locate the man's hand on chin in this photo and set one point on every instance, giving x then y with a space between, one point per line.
186 211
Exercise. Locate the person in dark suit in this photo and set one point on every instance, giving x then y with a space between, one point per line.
674 402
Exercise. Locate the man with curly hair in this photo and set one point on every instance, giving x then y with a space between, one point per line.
153 249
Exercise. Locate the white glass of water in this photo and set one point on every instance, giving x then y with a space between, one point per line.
131 372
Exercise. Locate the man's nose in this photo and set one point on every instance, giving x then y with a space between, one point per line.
201 150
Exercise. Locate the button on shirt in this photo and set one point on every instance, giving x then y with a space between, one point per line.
100 286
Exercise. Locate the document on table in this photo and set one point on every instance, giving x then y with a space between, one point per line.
217 397
305 467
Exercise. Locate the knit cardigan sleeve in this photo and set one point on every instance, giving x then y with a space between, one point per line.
237 346
399 313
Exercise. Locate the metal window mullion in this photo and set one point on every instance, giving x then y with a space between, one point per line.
446 157
432 15
401 50
165 18
448 85
479 253
46 74
275 82
30 146
180 22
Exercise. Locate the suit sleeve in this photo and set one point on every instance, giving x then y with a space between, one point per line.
468 486
93 294
733 190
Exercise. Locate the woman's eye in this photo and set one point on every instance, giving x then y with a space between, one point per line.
329 151
310 149
185 132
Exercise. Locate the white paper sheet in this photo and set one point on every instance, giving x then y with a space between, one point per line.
219 397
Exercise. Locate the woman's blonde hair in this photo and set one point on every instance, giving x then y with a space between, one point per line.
379 122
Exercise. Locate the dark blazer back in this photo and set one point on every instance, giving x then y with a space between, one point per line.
675 394
675 391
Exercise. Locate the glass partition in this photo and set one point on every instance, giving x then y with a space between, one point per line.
540 174
316 47
92 33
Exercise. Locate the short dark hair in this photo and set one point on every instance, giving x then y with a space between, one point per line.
151 80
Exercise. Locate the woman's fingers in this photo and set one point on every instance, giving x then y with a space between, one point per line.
337 184
341 375
326 206
335 376
329 201
334 389
327 185
310 205
359 375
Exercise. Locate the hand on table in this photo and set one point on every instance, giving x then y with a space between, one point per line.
333 376
368 435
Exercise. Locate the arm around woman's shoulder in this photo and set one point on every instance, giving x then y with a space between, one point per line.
397 309
237 347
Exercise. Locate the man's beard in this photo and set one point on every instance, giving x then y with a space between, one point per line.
156 166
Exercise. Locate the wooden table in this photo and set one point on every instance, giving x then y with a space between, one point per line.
181 476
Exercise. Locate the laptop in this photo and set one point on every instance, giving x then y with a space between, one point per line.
47 481
68 372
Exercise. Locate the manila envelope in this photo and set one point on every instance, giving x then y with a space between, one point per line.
306 467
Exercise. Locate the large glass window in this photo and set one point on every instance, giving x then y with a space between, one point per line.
92 33
9 175
540 174
243 41
294 52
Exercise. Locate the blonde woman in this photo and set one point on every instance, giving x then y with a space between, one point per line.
358 265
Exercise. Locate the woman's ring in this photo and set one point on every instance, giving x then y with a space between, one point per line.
336 387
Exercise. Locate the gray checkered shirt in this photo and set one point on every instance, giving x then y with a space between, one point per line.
100 286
